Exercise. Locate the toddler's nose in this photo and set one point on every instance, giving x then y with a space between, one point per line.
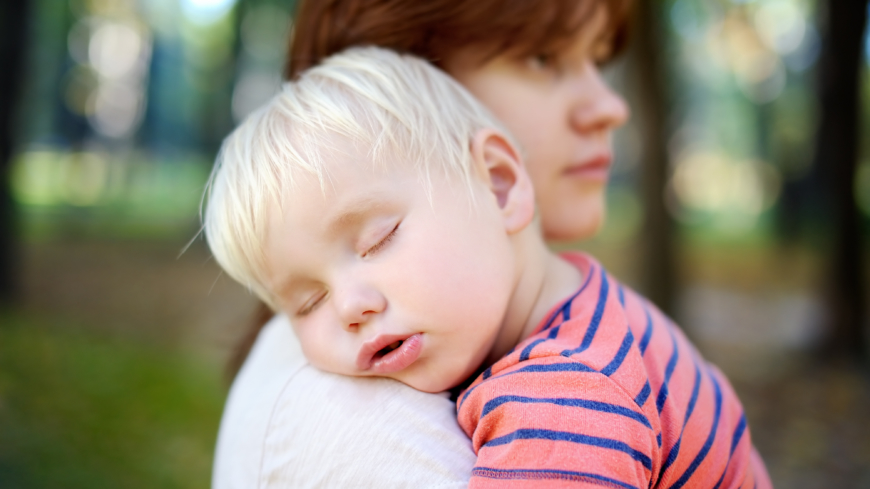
357 305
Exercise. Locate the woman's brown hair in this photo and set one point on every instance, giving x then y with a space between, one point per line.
434 30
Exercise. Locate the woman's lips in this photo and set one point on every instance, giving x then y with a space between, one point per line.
373 358
597 168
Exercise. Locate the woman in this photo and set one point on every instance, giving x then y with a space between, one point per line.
535 64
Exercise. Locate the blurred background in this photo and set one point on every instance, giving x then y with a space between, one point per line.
740 203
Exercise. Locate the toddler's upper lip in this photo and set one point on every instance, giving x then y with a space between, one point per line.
366 356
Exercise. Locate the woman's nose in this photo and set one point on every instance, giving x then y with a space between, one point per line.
598 108
358 304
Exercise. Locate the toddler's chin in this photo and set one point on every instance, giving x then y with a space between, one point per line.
432 384
427 385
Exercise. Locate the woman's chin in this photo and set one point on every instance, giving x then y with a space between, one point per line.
577 224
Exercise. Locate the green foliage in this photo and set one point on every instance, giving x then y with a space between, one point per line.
79 410
63 194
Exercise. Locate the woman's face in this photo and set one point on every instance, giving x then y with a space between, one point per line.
563 113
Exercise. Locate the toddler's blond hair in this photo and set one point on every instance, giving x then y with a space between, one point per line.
398 107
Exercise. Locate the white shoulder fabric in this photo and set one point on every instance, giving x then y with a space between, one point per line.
289 425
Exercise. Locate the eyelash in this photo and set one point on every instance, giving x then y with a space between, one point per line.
377 247
310 306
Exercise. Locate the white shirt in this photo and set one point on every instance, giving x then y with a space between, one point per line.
287 424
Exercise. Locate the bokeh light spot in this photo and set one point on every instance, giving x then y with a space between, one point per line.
206 11
114 49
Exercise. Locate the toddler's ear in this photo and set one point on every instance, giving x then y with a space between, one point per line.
499 164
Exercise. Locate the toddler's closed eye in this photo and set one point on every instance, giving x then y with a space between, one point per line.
383 242
312 303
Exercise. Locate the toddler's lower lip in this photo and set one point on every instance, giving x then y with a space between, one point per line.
400 358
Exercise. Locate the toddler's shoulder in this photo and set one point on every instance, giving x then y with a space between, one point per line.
550 369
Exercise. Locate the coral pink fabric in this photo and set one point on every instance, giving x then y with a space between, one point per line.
607 392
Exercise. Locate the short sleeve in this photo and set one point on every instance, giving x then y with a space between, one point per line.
287 424
553 422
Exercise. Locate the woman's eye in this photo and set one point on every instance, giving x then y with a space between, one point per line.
311 304
542 61
602 52
383 242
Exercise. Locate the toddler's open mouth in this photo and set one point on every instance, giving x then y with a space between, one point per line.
387 349
389 353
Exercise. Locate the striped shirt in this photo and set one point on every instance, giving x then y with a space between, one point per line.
607 392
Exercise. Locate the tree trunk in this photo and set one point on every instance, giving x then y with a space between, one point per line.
658 279
13 37
837 147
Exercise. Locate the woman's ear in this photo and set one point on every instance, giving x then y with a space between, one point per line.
498 162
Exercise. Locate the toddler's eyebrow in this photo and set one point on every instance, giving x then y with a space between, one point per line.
354 213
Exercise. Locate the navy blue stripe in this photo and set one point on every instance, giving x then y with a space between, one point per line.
464 397
643 395
709 443
738 432
672 457
735 440
553 317
675 450
647 334
527 351
597 315
535 368
722 479
568 402
659 439
694 398
487 373
662 397
621 295
570 299
596 319
557 367
553 333
566 309
535 434
614 364
669 371
547 474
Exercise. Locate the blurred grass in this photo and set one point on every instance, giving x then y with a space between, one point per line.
79 409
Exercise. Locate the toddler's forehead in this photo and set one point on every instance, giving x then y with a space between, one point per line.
346 162
328 168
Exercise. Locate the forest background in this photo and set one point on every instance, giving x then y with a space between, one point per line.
739 202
